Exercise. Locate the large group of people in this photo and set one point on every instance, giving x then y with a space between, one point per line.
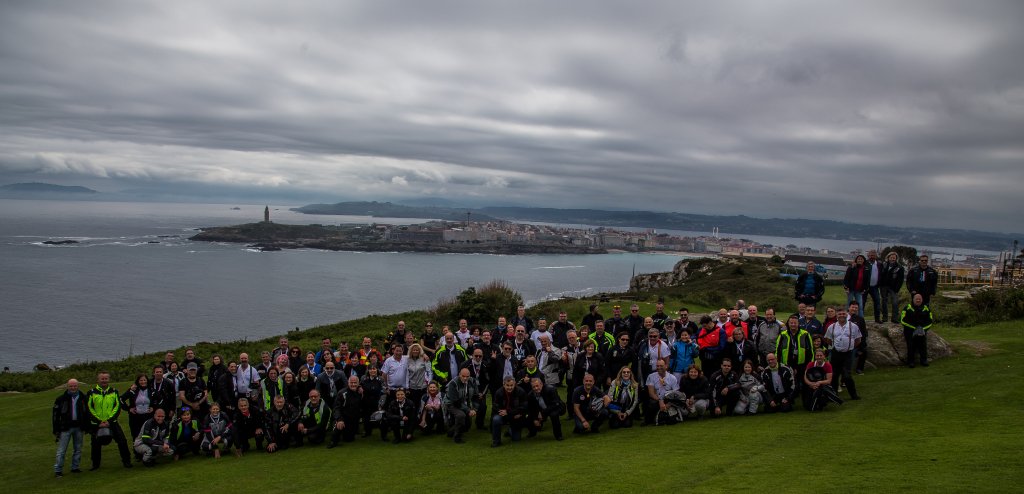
621 371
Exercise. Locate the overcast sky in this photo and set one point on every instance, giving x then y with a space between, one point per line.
903 113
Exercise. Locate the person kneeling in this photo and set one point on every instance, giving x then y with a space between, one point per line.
460 404
401 416
216 432
248 423
431 411
186 436
154 439
625 395
282 425
509 410
544 403
817 390
315 419
589 406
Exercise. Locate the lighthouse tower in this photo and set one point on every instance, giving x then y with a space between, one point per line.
266 214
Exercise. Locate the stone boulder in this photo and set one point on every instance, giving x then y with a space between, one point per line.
887 348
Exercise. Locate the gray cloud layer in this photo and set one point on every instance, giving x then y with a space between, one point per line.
889 112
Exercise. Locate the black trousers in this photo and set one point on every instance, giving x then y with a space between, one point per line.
481 412
117 434
242 436
916 345
842 362
555 416
399 429
862 350
348 434
458 421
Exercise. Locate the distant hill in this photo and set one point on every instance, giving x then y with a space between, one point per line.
47 188
391 210
734 225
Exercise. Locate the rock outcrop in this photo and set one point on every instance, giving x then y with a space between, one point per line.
887 348
679 273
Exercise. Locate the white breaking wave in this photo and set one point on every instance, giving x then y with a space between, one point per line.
558 267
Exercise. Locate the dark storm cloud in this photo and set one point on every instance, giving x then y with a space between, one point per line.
897 113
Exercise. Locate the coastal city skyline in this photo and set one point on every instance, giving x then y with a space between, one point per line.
903 115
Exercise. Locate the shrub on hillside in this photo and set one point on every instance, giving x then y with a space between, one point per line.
986 306
479 305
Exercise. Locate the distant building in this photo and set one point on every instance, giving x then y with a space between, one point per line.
611 240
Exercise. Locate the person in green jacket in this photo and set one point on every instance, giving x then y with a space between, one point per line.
104 404
794 349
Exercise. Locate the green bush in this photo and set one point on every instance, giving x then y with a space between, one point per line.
480 306
986 306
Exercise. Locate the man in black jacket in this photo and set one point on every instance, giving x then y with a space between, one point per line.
890 282
154 438
461 402
725 390
922 279
347 409
508 410
70 417
544 404
282 422
779 386
619 356
225 386
480 371
161 392
248 423
315 419
810 286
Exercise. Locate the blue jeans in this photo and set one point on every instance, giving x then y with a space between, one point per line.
75 434
498 422
873 293
859 298
890 297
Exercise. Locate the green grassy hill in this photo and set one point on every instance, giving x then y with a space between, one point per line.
951 427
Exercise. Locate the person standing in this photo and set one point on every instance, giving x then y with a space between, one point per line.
874 284
766 334
810 286
793 348
844 336
891 281
192 391
138 401
592 317
712 341
858 275
69 419
104 407
922 279
916 319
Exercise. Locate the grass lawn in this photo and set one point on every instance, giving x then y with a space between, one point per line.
950 427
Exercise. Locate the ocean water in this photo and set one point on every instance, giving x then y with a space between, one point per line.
136 283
